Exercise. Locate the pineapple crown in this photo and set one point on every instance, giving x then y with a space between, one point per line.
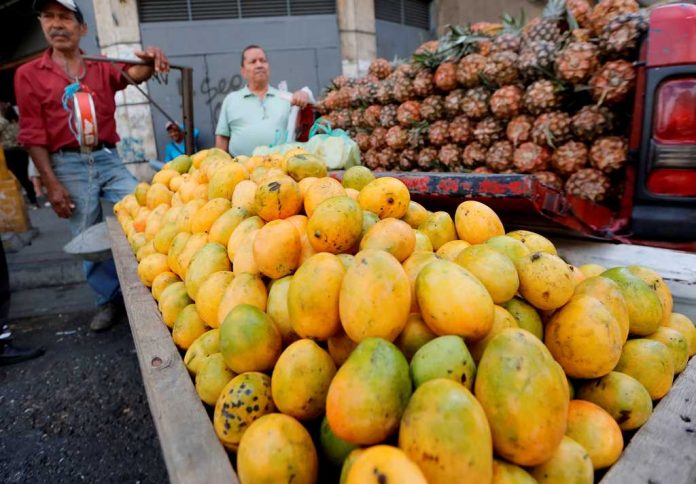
554 10
457 42
512 24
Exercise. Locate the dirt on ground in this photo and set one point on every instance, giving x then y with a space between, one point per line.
78 413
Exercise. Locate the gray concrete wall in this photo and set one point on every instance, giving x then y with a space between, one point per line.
304 51
396 40
462 12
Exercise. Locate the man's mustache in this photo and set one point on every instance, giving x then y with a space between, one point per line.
59 33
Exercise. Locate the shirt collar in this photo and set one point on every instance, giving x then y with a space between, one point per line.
47 62
272 92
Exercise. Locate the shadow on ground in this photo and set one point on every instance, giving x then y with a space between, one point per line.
79 413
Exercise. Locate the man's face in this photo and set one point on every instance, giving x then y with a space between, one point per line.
175 133
255 69
60 27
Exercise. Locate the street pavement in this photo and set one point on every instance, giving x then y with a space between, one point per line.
78 413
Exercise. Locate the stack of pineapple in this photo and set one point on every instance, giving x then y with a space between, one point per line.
550 97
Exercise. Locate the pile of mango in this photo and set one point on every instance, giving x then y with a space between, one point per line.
415 346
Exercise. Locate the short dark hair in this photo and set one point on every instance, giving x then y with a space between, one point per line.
249 47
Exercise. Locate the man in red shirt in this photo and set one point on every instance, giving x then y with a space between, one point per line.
76 179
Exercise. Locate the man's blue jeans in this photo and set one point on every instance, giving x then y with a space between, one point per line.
89 177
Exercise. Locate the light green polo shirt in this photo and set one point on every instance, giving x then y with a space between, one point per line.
250 122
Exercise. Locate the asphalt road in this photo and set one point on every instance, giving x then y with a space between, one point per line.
78 413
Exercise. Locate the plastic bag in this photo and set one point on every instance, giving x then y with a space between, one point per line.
334 146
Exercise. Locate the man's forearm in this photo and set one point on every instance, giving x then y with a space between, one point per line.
42 162
222 142
140 73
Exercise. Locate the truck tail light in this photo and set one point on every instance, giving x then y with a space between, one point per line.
673 144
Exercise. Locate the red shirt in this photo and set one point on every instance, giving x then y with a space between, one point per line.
39 87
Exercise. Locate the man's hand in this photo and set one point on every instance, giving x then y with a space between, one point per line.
300 98
155 54
60 199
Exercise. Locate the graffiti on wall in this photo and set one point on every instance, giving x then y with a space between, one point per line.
216 91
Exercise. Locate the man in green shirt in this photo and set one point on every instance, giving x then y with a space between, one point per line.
258 113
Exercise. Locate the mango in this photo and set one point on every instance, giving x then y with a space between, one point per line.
533 241
390 235
386 197
676 321
443 422
439 228
161 282
249 341
501 320
450 250
383 463
495 271
375 297
677 345
596 431
414 335
211 378
514 371
357 177
336 225
224 225
244 288
211 292
340 347
569 464
412 266
277 309
443 357
621 396
657 284
527 317
303 165
301 379
506 473
415 214
321 190
188 327
277 197
546 281
369 393
650 362
209 259
205 345
277 248
609 293
477 222
335 449
644 307
508 246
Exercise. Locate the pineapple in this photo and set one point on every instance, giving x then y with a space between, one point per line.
580 11
427 47
489 29
474 155
469 70
499 156
423 83
367 93
342 119
551 129
450 155
370 159
550 179
403 88
427 157
387 117
405 69
396 138
577 62
590 122
588 183
613 82
432 108
408 113
371 116
609 154
362 139
550 26
488 130
460 130
506 102
417 136
621 36
501 68
387 159
408 160
483 170
445 77
519 129
536 59
530 158
606 10
438 134
569 158
343 98
356 118
378 138
338 82
475 103
380 68
385 91
541 96
509 39
453 102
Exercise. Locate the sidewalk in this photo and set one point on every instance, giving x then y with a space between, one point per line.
43 278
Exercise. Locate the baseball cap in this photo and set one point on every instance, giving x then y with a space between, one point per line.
69 4
170 124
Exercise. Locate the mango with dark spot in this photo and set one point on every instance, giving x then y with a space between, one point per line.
244 399
546 281
384 464
443 357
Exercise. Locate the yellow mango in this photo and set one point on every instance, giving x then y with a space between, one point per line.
596 431
546 281
439 228
477 222
386 197
210 296
245 288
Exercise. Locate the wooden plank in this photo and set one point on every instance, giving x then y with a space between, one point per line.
192 451
677 268
663 451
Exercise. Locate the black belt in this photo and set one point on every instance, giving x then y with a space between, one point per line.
77 149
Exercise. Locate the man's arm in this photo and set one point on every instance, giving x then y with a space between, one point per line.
222 142
57 194
160 63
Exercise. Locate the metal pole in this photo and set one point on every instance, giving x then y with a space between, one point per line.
187 102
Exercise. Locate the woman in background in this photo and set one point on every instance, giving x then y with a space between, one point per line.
16 157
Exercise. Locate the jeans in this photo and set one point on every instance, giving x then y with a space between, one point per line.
89 177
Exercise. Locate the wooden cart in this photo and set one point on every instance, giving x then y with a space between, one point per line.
662 451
